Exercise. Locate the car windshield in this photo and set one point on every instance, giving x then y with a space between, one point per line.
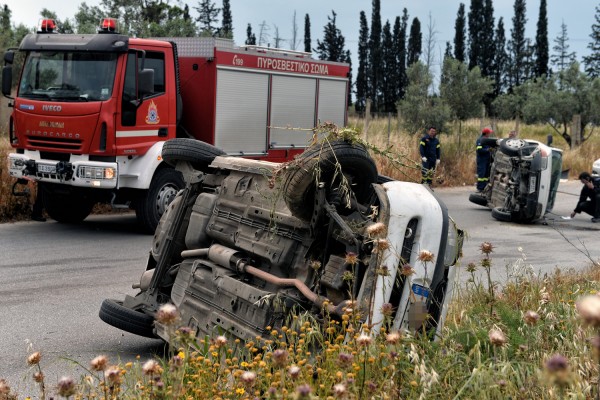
68 76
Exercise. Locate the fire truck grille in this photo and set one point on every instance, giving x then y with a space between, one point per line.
72 145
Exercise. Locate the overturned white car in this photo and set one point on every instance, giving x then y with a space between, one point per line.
247 242
523 182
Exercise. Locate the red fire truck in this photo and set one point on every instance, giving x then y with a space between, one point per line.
92 112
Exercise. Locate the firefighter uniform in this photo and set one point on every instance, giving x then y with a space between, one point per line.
429 148
484 160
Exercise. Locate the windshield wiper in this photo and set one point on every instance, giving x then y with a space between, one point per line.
31 95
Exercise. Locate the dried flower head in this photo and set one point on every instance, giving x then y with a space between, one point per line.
588 308
557 363
37 377
316 265
339 390
497 337
351 258
387 309
220 341
113 375
176 361
99 363
544 297
471 267
34 358
279 357
381 245
167 314
248 378
345 359
376 229
364 340
303 390
531 317
425 256
152 367
66 386
486 247
4 390
294 371
407 270
393 337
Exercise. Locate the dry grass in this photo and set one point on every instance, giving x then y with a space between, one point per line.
11 208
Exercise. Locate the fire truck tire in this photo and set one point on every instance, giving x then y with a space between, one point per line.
199 154
501 214
67 209
354 160
165 184
115 314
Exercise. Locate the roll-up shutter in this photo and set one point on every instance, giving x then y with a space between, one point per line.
241 114
292 106
332 101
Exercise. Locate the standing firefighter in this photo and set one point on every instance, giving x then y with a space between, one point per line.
484 160
429 148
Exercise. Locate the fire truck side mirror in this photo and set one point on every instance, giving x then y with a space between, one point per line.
9 57
6 80
146 82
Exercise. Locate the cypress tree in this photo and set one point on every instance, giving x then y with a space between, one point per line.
414 42
448 51
307 44
517 46
361 74
562 58
402 54
348 59
332 46
375 59
541 42
460 34
592 61
227 22
250 37
389 70
207 17
500 60
475 27
487 39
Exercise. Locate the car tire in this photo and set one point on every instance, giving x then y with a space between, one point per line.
67 209
512 147
501 214
115 314
300 184
165 184
384 179
478 199
199 154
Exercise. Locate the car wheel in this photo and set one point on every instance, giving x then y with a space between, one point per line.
478 199
114 313
163 189
501 214
199 154
301 181
511 147
67 209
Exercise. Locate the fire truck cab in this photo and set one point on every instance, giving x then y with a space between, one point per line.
92 112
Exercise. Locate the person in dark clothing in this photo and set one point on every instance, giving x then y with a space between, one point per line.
484 160
38 207
591 191
429 148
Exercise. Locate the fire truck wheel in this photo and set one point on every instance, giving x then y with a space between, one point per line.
356 164
67 209
114 313
501 214
199 154
165 184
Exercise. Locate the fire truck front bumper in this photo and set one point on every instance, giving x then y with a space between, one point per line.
83 173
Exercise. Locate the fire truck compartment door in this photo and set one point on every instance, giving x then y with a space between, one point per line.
241 114
292 106
332 101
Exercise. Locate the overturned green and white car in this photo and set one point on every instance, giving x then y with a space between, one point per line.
248 242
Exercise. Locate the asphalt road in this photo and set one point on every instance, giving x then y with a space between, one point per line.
53 278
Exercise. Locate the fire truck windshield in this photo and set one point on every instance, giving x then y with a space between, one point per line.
68 76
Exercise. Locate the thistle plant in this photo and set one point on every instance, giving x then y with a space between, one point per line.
486 262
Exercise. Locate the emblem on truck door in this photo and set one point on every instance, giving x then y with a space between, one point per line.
152 117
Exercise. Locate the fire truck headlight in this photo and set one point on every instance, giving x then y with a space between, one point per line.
109 173
98 173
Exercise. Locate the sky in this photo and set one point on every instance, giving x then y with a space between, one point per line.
578 16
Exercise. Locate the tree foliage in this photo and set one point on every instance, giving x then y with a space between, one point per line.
226 30
207 18
460 34
332 46
363 59
414 42
250 37
375 58
475 28
562 57
541 42
307 41
592 61
401 53
518 47
390 70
